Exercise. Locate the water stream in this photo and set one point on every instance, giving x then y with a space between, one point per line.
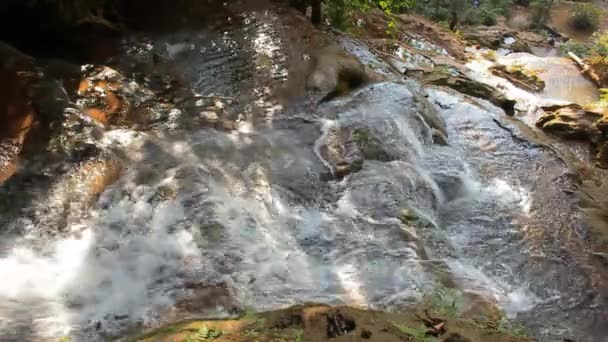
207 222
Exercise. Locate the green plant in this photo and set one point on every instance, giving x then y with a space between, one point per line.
64 339
512 328
418 334
204 334
489 10
579 49
444 301
598 51
340 12
586 16
454 12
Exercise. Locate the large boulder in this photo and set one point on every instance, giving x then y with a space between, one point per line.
451 78
571 122
334 72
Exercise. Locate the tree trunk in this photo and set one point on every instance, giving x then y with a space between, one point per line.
454 21
315 16
586 69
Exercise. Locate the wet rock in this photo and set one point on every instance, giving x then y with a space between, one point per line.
432 118
602 123
341 152
449 77
520 46
346 149
334 72
17 114
110 98
476 306
571 122
369 145
487 36
411 217
601 159
439 138
206 297
519 77
99 174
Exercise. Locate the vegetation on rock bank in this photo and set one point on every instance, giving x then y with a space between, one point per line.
318 323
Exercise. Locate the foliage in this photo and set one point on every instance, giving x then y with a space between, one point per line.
598 51
603 101
455 12
444 301
575 47
512 328
441 10
419 335
540 11
340 11
489 10
204 334
586 16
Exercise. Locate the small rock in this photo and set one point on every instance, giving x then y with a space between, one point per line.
366 334
407 215
210 117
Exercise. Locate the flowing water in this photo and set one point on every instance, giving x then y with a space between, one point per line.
208 222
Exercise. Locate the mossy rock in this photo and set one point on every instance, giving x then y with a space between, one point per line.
454 79
520 77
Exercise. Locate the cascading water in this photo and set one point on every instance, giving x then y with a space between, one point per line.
207 222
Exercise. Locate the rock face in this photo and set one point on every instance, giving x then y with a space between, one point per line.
571 122
458 81
519 77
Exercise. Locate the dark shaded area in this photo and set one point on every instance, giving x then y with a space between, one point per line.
339 324
89 31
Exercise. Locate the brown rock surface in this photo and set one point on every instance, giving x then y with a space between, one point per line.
571 122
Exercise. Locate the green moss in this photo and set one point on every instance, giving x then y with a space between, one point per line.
204 334
418 334
512 328
444 301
